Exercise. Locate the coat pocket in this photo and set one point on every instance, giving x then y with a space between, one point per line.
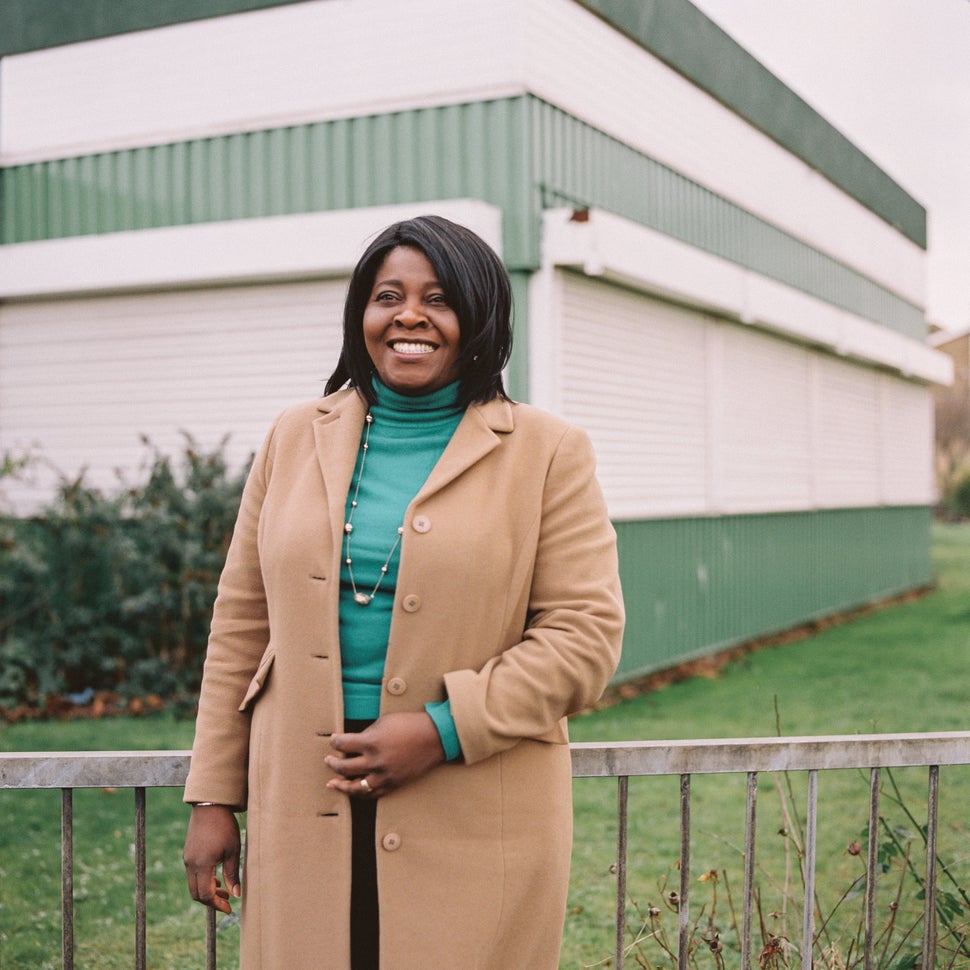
258 682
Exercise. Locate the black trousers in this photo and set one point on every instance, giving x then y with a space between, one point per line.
364 914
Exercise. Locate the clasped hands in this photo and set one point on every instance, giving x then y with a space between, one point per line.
395 749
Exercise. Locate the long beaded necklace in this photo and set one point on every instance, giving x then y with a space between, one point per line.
363 599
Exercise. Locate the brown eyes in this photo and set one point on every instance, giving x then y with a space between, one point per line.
389 296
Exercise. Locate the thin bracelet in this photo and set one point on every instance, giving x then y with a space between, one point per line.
207 804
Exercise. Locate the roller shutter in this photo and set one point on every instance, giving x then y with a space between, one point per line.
84 381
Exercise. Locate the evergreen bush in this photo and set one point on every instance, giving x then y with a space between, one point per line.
113 592
957 498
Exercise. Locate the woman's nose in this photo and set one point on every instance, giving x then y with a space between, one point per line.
410 316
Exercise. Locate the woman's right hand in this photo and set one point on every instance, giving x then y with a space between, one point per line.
212 840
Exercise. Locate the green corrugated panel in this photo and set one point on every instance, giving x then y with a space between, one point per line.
517 381
693 586
480 151
517 153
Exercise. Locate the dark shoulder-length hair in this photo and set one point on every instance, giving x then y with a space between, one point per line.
476 286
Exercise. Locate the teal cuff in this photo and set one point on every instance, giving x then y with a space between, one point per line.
440 713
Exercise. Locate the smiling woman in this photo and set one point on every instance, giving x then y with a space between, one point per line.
422 584
411 333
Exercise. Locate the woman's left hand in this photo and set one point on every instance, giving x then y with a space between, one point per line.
395 749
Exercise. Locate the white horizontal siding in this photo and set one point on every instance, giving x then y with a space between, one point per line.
848 467
764 444
312 61
691 415
907 441
81 381
651 357
284 65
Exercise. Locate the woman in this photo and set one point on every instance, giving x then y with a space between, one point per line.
421 584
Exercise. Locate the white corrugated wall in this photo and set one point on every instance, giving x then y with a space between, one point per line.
692 415
82 380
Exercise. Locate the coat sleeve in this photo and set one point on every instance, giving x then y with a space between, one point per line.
574 632
238 638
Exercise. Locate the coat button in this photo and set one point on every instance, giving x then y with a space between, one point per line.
411 603
421 523
391 841
397 686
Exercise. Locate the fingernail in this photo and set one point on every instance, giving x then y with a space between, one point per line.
236 892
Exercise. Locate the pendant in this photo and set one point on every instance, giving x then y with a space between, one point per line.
362 598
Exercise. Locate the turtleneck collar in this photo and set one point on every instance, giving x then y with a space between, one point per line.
438 403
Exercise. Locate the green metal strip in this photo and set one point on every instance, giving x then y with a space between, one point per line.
517 378
520 154
695 586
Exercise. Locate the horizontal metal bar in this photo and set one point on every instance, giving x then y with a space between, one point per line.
168 769
594 759
94 769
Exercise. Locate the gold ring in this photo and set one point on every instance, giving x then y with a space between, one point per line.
364 785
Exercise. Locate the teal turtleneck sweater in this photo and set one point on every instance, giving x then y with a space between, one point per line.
406 439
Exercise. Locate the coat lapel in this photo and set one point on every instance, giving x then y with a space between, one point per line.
476 435
337 436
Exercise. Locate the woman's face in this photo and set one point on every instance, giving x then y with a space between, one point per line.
410 332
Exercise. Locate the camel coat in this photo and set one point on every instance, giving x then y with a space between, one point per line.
508 603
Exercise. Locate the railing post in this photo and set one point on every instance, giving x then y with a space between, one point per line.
751 811
811 835
622 791
210 938
929 905
872 859
67 878
683 913
140 881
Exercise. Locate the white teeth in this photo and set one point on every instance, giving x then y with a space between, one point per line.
404 348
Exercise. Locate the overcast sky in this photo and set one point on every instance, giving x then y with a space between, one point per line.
894 77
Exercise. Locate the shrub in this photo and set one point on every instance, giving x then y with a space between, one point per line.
957 498
112 592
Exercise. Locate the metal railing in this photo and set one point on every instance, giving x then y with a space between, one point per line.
684 759
756 755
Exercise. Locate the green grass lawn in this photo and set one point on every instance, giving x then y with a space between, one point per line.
900 669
